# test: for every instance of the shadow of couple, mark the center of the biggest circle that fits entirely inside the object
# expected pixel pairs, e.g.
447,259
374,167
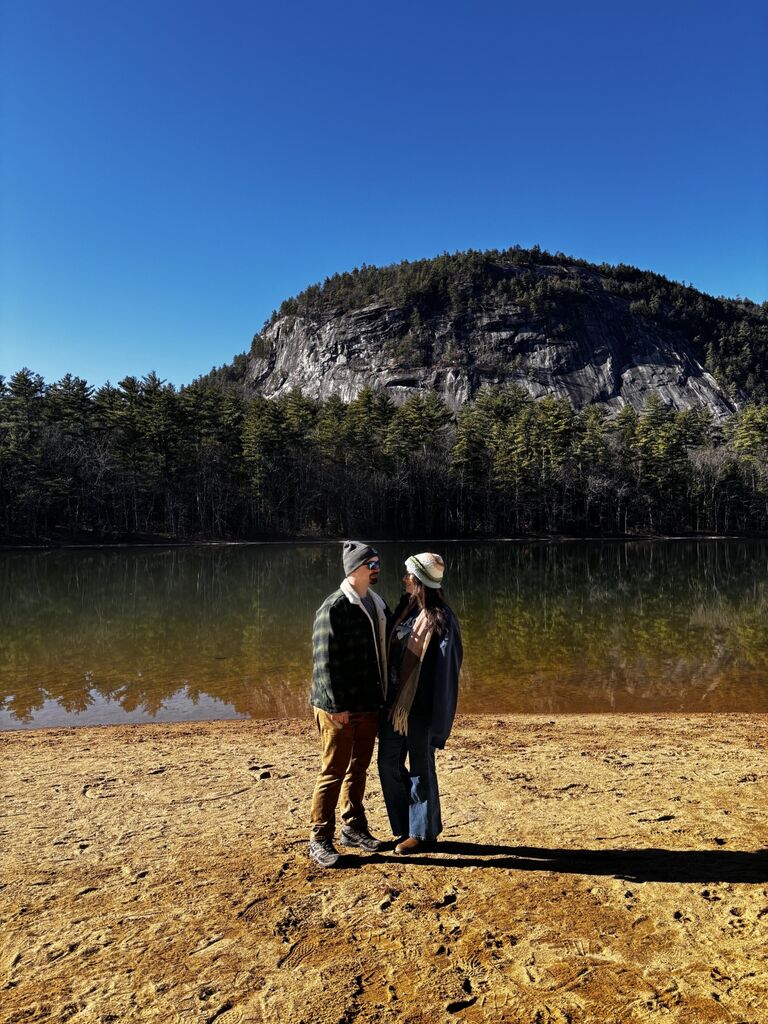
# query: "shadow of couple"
637,865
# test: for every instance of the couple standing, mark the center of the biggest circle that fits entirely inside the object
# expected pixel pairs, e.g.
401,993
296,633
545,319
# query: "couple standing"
395,675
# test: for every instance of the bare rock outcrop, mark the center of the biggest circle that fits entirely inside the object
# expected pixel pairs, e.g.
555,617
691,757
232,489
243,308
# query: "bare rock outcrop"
602,352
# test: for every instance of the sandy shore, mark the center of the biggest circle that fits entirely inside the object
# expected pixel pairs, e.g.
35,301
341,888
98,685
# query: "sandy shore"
593,868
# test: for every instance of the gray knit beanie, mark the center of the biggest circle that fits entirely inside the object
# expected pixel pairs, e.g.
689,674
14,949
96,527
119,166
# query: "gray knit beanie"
355,553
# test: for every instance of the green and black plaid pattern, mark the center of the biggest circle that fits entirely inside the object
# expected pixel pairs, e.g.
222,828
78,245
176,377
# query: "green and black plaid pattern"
345,668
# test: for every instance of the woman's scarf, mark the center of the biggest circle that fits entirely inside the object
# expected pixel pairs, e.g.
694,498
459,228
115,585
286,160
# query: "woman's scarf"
410,668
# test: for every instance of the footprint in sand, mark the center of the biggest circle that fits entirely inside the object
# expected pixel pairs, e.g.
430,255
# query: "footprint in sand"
252,911
289,922
226,1014
390,895
299,951
461,1004
722,981
472,964
101,789
663,1000
737,922
449,898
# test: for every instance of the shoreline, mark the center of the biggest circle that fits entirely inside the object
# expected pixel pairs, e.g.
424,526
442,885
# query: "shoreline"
470,718
593,868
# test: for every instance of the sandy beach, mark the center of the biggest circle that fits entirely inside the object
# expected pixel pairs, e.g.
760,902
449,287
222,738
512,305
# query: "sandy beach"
593,868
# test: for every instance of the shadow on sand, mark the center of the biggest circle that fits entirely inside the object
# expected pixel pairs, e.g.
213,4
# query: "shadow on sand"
646,865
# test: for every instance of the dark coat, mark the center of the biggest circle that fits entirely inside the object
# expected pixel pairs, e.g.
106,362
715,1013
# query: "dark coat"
438,690
445,668
346,671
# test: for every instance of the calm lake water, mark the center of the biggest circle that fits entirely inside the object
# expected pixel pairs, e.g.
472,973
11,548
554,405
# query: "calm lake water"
168,634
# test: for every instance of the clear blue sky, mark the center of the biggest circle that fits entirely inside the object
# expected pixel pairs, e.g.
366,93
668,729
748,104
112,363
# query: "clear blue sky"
172,171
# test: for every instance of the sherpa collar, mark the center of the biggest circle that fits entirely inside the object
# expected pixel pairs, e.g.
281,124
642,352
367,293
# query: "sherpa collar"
352,595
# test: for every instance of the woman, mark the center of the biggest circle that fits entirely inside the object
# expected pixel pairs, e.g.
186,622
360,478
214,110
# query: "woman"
425,656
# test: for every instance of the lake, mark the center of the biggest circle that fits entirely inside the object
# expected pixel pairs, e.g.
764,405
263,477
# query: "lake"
117,635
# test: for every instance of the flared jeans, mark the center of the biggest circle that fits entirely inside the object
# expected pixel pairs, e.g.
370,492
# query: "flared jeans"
411,795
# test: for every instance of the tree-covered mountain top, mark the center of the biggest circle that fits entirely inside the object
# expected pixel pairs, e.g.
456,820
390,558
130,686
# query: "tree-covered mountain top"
442,280
729,336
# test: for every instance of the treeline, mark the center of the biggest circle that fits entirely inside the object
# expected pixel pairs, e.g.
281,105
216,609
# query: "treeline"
728,336
205,462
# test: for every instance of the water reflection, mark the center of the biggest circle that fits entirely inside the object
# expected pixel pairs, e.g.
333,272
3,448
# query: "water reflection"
548,627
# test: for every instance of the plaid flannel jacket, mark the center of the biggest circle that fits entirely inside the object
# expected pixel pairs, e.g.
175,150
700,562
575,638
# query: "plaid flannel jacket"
345,668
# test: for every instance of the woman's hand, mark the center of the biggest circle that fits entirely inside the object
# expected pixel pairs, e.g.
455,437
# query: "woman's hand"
342,717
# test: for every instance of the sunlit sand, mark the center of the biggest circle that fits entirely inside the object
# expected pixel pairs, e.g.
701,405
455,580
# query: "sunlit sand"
593,868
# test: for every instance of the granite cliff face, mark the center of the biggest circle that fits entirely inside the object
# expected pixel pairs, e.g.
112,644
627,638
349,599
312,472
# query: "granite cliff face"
595,348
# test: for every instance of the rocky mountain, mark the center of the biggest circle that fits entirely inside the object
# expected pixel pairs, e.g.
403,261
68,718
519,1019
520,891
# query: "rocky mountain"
552,324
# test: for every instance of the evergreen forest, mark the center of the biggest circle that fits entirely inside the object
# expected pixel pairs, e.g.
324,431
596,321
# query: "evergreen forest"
146,461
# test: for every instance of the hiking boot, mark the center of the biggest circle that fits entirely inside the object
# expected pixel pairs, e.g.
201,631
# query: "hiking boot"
361,837
323,853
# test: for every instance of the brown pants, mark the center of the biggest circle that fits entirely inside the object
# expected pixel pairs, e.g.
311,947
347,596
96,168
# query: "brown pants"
346,753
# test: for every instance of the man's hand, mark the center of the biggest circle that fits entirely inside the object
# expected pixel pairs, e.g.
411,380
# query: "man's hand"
342,717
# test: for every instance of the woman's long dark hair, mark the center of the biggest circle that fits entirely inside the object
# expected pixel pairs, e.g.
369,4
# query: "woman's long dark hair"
433,602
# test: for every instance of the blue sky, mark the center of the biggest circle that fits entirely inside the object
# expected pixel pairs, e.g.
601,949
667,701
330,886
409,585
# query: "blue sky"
172,171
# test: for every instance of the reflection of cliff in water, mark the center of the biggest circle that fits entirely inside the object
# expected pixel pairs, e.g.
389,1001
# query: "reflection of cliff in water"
548,627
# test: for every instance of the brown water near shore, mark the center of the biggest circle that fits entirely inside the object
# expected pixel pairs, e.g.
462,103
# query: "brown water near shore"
594,868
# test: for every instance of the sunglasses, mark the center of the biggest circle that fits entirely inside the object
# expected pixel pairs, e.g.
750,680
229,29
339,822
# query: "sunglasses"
374,564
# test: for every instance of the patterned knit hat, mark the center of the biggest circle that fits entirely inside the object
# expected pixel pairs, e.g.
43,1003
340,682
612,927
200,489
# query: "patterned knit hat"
428,568
355,553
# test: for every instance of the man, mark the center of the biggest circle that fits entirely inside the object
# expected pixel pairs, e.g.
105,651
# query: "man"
349,679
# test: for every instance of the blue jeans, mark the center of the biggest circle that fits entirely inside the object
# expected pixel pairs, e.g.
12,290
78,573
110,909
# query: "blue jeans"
411,797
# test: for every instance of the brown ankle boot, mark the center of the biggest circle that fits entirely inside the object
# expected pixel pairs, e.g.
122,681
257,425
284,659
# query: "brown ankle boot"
409,845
